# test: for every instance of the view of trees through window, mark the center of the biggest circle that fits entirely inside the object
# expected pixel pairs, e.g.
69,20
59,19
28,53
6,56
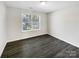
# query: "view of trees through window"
30,22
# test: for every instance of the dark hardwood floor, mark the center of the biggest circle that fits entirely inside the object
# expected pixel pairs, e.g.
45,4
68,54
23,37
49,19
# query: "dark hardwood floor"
44,46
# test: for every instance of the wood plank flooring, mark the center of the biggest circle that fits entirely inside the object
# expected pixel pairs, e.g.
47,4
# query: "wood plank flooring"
44,46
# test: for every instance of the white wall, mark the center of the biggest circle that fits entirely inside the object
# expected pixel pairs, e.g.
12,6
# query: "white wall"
64,24
3,29
14,24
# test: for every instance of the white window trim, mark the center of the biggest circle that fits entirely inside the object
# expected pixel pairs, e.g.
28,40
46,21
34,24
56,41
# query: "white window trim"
22,15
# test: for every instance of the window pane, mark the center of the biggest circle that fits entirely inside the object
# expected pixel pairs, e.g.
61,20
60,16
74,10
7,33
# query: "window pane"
27,22
35,22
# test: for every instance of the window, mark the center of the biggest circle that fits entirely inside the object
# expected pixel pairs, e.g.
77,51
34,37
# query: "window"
30,22
35,22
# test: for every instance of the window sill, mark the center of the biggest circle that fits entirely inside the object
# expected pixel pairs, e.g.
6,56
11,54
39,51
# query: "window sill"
30,30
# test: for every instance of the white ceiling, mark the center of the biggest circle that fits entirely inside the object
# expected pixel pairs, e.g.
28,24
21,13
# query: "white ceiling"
35,5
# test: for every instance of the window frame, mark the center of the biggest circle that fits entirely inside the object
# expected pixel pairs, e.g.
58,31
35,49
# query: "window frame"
23,15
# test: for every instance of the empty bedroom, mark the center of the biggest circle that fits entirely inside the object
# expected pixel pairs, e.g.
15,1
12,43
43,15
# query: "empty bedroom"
39,29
